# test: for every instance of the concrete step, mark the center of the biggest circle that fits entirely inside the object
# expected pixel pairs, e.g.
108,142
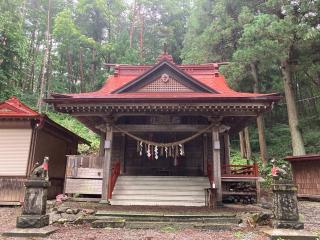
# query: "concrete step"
160,190
162,177
166,183
192,192
158,197
159,187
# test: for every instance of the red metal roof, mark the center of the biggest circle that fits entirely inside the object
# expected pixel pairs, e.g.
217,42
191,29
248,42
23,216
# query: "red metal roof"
14,108
206,74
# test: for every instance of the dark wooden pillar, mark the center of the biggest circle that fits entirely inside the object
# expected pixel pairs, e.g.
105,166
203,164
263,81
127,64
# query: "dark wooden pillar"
122,154
205,154
226,139
107,160
216,164
101,146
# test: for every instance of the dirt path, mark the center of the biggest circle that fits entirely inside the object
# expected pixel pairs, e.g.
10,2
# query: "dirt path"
309,210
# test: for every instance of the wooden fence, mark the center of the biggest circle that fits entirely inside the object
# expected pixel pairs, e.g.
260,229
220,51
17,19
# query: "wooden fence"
84,174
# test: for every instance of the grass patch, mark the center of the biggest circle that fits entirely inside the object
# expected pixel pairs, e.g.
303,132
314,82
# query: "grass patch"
168,229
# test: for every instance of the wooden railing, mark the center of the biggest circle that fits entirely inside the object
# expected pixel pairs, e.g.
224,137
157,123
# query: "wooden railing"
240,170
235,171
113,178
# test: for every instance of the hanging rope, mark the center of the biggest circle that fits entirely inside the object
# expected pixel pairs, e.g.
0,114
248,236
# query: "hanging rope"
165,144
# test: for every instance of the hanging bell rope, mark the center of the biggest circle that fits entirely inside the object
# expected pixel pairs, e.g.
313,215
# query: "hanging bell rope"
165,144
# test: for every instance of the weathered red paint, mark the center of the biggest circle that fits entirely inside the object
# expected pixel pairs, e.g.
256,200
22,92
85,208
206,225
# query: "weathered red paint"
14,108
205,74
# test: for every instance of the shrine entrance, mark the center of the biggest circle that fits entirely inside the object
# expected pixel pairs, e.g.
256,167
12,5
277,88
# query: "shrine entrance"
184,160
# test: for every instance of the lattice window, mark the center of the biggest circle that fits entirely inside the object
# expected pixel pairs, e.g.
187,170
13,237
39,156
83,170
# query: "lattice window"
165,84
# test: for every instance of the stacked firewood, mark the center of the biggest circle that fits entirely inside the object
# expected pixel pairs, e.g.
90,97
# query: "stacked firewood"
241,197
244,199
241,187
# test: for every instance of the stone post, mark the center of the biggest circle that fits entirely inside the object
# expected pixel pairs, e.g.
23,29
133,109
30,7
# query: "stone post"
285,205
35,203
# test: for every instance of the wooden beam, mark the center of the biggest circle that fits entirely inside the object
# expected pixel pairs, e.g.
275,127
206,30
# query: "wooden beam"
107,162
160,127
217,164
227,113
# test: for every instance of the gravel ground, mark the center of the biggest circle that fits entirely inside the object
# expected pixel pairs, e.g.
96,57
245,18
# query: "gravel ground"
309,210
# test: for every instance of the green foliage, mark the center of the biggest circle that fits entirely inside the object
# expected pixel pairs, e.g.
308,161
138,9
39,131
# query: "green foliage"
85,34
73,125
13,45
236,159
238,234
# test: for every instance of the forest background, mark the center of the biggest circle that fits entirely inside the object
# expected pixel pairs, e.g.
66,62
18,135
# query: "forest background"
271,46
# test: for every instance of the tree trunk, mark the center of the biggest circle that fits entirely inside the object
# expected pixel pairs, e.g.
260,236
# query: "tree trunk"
49,70
45,59
260,118
242,145
141,32
82,88
93,66
296,136
132,23
247,144
69,69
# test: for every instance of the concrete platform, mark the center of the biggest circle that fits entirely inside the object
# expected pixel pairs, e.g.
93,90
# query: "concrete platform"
289,234
30,232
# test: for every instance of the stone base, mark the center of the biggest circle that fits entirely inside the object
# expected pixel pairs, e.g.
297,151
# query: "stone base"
109,223
30,232
287,224
32,221
104,201
289,234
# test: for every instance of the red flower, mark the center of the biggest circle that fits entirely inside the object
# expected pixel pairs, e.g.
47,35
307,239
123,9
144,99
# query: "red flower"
274,171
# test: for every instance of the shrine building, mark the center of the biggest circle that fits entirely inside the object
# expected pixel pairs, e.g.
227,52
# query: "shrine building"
164,131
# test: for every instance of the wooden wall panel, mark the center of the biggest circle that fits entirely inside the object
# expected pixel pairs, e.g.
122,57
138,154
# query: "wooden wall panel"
307,177
12,189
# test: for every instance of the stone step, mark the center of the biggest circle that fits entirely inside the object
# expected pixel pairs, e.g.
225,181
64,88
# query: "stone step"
178,225
109,222
181,219
104,213
146,202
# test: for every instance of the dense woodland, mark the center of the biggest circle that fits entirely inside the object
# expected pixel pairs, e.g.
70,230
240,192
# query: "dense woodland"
270,46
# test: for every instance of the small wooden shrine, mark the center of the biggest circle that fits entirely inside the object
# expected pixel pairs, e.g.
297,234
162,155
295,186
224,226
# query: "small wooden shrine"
163,120
26,137
306,175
